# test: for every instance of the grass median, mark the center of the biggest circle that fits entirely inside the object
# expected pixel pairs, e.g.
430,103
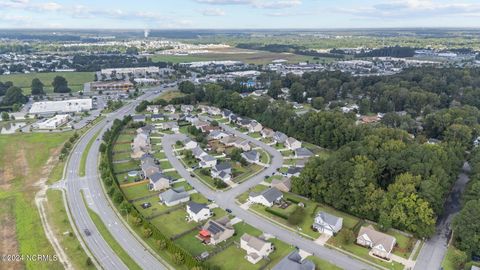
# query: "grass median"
107,236
83,161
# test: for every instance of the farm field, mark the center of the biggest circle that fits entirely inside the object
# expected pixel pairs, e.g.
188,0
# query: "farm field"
246,56
75,80
25,159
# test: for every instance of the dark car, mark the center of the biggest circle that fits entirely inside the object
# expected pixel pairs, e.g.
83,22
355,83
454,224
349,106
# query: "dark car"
87,232
228,210
146,205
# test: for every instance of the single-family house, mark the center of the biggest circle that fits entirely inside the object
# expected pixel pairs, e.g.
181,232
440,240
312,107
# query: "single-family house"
327,223
140,145
173,126
254,126
139,118
190,118
267,197
303,153
284,184
216,231
381,244
267,133
232,118
217,135
159,181
157,117
174,196
189,144
222,171
294,262
154,108
199,124
214,111
174,116
226,113
251,156
294,171
198,152
170,108
148,166
186,108
255,247
292,143
198,212
279,137
244,122
207,161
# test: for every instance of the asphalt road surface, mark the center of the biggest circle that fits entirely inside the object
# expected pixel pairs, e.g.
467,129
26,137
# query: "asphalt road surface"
434,249
227,200
96,198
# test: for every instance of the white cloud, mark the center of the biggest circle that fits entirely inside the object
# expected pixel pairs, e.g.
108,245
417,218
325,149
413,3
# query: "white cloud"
269,4
213,12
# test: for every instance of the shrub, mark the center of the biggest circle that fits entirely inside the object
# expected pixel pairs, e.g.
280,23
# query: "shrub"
161,244
178,258
297,216
275,213
147,232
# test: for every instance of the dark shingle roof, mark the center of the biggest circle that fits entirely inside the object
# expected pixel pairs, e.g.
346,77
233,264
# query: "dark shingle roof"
196,207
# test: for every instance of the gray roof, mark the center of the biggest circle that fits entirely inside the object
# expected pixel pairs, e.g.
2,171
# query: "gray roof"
208,158
157,116
294,262
158,176
294,170
271,194
328,218
197,151
173,195
196,207
279,136
251,155
303,152
138,117
223,166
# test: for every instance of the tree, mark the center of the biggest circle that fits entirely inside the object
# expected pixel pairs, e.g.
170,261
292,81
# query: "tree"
14,95
161,244
459,258
178,258
147,232
318,103
346,236
60,85
37,87
88,262
186,87
5,116
297,216
466,228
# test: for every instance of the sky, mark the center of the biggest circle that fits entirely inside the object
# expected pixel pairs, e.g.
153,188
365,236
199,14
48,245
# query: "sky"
238,14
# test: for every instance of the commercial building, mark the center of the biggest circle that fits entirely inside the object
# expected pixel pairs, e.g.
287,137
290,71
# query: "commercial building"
54,122
62,106
135,70
111,86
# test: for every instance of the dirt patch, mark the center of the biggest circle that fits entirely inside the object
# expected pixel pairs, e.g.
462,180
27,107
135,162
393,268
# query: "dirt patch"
9,244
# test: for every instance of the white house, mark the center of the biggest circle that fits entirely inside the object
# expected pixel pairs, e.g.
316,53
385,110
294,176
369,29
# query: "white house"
54,122
254,126
189,143
207,161
158,181
222,171
198,212
326,223
267,197
255,247
380,243
292,143
174,196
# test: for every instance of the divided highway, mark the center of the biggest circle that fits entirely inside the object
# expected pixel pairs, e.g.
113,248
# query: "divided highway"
90,185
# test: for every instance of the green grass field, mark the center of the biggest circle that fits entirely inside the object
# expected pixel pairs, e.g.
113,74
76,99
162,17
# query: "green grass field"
246,56
25,159
58,220
75,80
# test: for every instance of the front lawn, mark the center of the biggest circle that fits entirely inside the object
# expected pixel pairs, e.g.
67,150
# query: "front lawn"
244,196
173,223
165,165
138,191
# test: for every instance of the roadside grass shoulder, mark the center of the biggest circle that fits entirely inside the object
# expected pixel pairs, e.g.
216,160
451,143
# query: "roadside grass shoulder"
122,254
63,231
322,264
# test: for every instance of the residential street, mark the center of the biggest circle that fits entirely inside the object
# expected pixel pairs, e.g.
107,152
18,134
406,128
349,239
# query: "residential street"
434,250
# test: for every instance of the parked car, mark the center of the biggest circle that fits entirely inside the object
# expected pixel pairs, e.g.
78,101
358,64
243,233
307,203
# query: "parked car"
228,210
146,205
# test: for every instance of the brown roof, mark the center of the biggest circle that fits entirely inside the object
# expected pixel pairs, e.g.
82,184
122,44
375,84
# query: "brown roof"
254,242
378,238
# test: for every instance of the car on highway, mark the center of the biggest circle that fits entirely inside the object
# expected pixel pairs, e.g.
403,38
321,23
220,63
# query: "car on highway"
87,232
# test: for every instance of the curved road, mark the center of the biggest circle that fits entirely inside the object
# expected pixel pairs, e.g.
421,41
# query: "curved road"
97,200
227,200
